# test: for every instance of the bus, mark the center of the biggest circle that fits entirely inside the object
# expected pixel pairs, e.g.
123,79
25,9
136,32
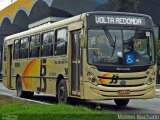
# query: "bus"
92,56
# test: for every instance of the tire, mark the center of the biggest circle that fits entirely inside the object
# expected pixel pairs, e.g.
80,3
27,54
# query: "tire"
20,92
62,92
121,102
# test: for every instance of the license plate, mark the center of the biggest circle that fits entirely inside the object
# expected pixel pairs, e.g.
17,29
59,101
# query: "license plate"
123,92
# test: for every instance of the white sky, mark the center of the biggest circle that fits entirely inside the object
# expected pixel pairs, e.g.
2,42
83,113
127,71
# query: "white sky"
5,3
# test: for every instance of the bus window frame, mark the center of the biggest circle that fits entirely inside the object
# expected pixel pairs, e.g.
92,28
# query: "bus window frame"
17,49
122,28
39,46
24,48
66,43
52,44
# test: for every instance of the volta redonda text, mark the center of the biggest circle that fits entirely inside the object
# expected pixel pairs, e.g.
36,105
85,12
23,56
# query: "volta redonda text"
118,20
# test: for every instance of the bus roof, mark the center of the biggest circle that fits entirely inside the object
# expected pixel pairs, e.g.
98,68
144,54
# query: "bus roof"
119,13
10,39
43,28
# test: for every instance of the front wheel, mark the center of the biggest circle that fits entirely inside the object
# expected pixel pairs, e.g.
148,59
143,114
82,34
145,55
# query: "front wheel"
62,92
121,102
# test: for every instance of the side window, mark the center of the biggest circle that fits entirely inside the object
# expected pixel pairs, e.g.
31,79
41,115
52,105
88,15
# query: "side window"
24,48
35,46
47,44
61,42
16,49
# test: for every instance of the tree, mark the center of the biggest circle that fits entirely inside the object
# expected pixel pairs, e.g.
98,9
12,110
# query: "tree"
123,5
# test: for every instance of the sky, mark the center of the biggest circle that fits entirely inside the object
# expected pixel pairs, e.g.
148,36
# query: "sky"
5,3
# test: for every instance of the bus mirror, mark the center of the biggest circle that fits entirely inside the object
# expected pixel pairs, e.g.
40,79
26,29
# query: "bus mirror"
83,42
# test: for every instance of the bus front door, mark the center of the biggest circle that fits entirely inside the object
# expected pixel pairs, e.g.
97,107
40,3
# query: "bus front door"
75,63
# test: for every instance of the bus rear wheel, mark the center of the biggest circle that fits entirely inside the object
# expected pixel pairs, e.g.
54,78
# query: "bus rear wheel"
62,92
121,102
20,92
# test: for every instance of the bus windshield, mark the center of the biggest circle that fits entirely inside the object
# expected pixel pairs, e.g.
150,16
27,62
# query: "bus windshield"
120,47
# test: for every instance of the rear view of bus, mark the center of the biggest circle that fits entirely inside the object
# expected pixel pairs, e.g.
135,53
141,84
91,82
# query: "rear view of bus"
120,53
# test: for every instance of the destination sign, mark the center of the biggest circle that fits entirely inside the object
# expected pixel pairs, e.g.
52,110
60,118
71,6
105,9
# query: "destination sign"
120,20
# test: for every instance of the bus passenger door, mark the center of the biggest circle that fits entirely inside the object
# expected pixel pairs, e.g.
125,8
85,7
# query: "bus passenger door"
8,65
75,63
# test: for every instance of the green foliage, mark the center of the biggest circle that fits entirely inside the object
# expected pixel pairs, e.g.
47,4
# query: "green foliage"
30,111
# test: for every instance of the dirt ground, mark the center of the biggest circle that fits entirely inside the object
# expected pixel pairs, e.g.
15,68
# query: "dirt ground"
6,99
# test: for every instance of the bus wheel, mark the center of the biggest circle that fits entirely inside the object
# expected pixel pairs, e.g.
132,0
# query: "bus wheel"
121,102
62,92
20,93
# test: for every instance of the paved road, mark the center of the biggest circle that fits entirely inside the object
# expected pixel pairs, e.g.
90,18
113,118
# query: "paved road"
151,106
5,91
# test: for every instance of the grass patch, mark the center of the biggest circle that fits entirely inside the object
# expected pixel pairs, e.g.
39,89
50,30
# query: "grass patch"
19,110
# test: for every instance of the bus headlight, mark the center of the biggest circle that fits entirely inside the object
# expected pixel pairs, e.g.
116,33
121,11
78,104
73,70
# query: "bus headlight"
92,79
151,79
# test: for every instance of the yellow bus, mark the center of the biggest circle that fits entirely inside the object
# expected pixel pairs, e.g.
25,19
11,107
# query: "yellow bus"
92,56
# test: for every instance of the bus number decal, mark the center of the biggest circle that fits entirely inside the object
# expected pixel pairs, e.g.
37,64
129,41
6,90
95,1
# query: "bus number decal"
114,79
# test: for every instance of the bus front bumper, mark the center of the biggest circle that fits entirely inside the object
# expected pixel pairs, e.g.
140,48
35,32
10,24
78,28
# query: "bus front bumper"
99,92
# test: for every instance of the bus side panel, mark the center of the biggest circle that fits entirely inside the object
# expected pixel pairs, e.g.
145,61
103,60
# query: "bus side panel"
7,67
13,82
50,77
32,71
50,86
54,68
28,71
4,74
7,56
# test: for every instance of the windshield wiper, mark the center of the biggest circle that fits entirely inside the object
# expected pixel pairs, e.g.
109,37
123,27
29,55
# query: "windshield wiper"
114,46
111,41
